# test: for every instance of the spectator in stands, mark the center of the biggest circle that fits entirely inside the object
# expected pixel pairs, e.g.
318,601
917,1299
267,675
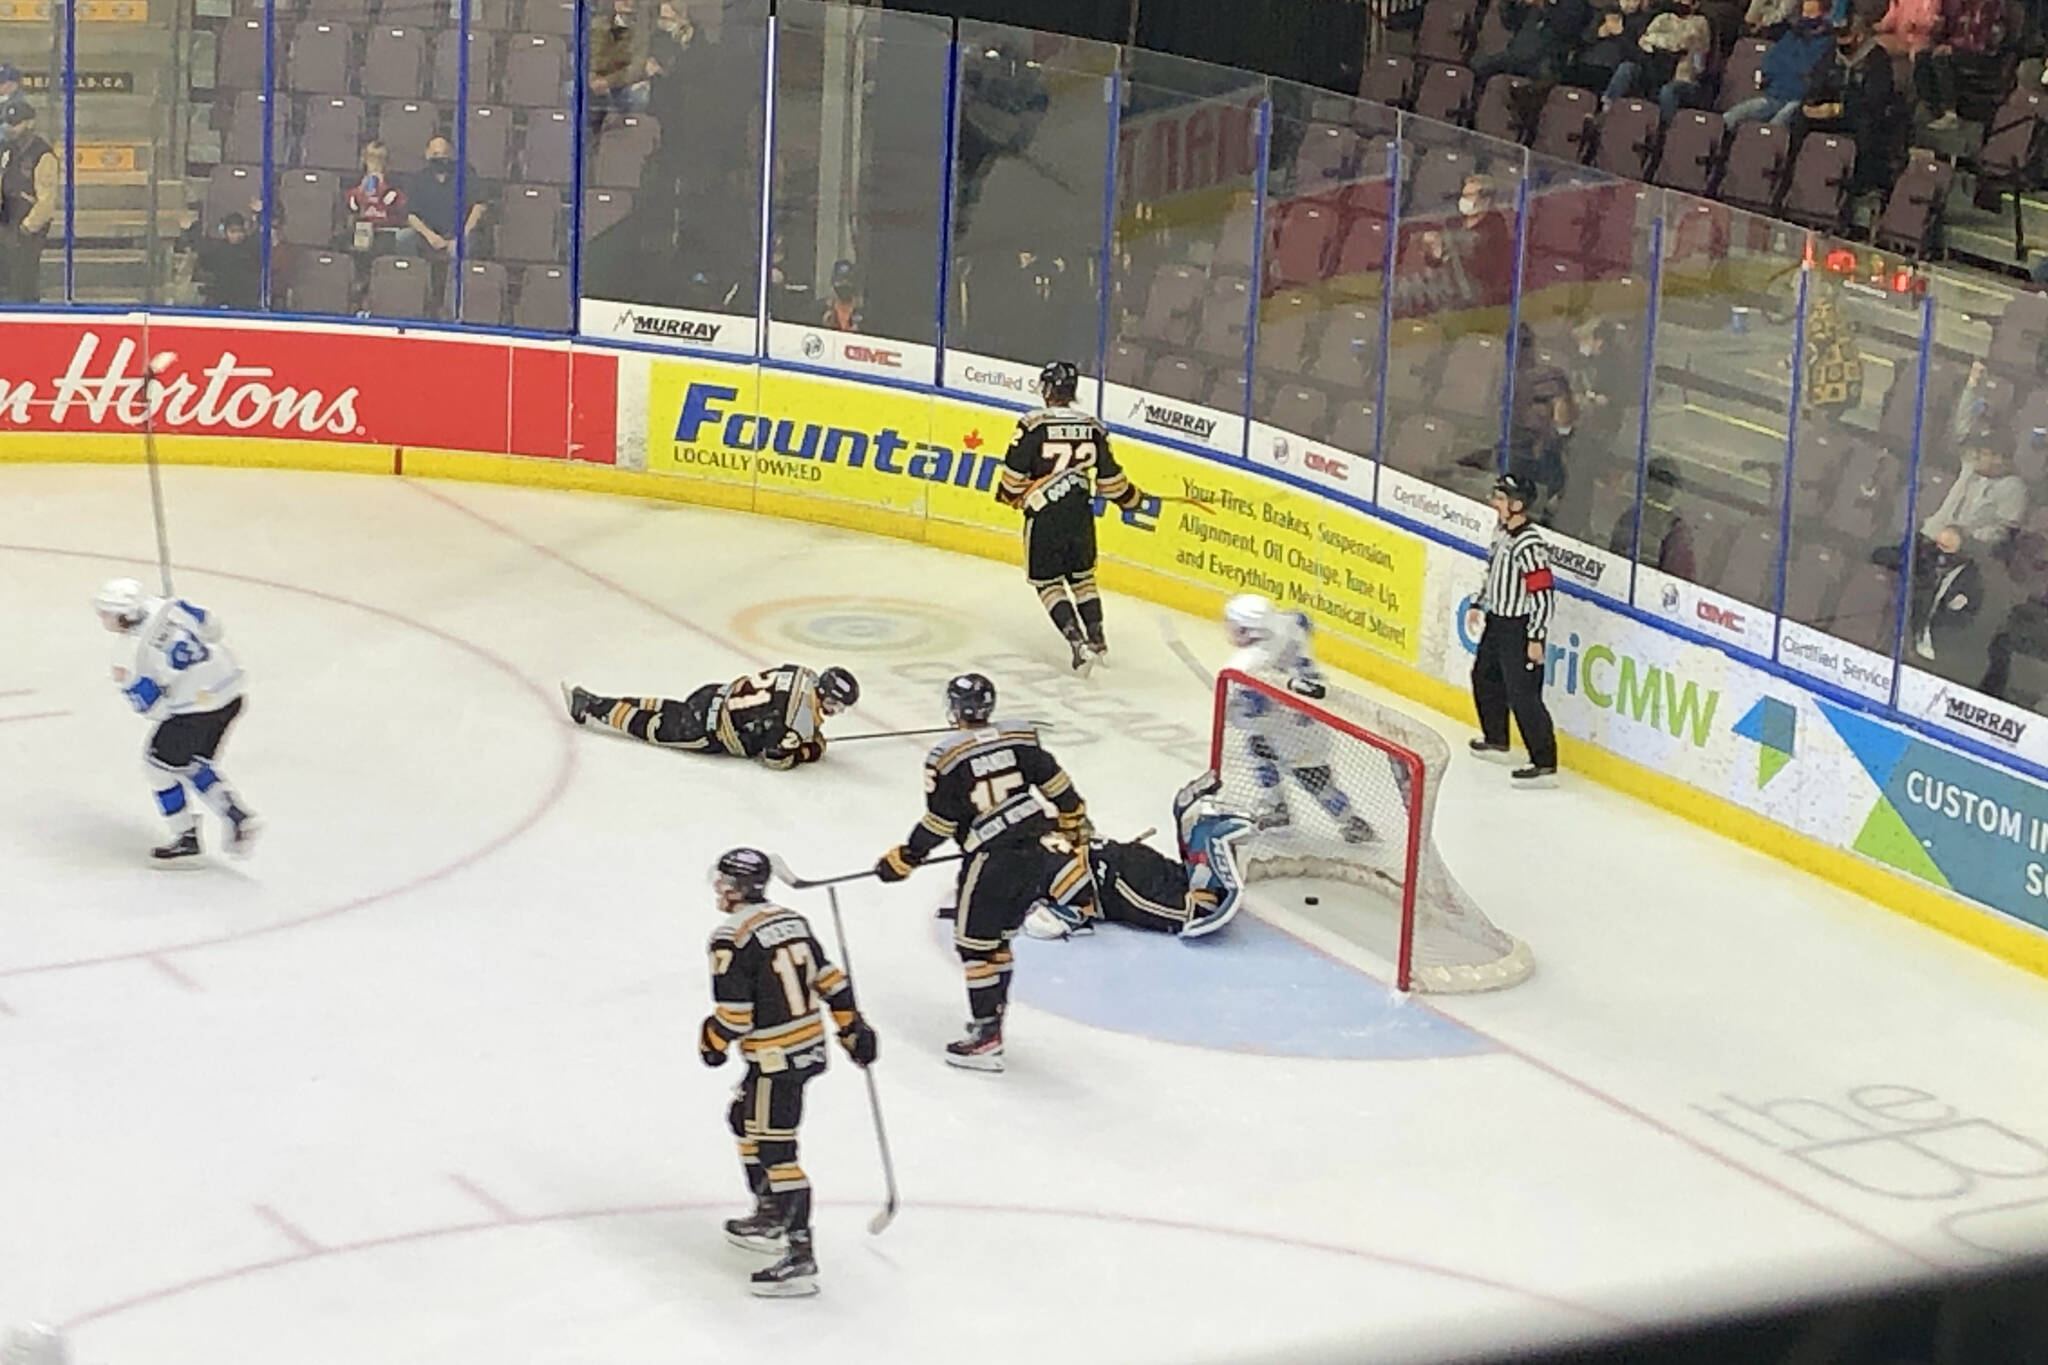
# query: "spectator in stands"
1674,60
1908,27
1606,58
1606,380
1947,590
620,65
843,309
31,192
375,201
1666,542
228,267
430,207
1971,406
1541,38
1985,503
10,82
1853,95
1788,69
1462,266
1967,40
1769,18
1542,421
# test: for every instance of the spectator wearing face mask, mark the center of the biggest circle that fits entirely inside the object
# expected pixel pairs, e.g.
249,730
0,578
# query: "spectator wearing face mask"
31,192
1853,95
1464,264
843,310
430,207
1664,540
1674,57
1947,590
228,267
1788,69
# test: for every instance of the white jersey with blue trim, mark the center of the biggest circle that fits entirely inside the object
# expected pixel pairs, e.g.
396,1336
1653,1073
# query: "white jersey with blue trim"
1283,658
179,664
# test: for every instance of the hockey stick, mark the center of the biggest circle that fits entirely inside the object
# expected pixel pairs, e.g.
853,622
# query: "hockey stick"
888,1214
1169,633
788,878
1034,723
1192,502
157,364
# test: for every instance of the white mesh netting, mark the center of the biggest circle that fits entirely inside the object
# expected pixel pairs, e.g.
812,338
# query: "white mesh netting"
1333,805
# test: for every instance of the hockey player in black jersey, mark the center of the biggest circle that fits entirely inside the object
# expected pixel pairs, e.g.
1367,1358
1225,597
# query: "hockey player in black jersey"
775,717
768,975
982,790
1135,884
1057,465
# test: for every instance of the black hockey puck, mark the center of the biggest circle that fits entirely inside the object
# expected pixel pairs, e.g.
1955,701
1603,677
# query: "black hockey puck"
1310,900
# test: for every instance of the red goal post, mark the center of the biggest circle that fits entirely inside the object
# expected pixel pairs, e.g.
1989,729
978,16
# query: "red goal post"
1341,788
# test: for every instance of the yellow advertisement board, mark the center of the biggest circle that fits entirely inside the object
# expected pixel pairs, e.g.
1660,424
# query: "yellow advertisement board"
925,467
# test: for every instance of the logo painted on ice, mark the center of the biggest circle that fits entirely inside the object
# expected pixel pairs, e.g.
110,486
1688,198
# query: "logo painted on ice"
223,393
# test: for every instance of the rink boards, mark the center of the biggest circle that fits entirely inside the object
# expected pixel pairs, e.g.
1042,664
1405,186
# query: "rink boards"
1384,565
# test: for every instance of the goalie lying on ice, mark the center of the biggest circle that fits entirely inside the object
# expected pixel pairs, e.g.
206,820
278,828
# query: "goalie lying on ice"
1133,883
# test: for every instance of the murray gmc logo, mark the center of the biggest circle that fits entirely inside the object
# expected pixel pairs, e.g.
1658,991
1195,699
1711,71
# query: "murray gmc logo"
674,329
1719,616
1985,721
872,355
1326,464
1578,564
1173,419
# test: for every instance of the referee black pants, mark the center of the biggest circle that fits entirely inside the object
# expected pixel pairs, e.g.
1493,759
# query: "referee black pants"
1504,680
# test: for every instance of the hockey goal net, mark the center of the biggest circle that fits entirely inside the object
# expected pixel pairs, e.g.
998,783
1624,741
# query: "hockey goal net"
1342,789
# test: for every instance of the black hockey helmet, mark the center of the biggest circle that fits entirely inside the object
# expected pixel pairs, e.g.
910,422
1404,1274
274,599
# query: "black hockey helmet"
1059,381
1516,488
970,699
741,877
838,688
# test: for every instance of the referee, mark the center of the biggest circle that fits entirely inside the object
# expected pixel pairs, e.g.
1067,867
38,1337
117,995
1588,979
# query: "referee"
1511,617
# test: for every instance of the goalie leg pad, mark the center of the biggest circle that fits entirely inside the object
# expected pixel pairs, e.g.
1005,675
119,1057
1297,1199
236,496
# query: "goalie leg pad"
1214,878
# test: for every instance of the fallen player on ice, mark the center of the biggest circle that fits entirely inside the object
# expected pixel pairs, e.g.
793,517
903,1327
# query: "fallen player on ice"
775,717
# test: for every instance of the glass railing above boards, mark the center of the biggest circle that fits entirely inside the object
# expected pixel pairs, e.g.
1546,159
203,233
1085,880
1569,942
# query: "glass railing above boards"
671,199
1581,364
1974,652
1321,327
1192,149
855,214
1446,364
1033,136
1865,332
1710,555
38,264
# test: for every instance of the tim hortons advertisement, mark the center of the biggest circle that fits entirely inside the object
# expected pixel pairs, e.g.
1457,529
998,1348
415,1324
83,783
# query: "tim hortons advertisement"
348,385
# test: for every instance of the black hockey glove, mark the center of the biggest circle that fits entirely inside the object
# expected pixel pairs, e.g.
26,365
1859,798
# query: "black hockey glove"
860,1042
1307,687
894,865
710,1043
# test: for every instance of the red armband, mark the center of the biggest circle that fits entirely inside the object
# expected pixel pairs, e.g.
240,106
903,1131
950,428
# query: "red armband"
1537,580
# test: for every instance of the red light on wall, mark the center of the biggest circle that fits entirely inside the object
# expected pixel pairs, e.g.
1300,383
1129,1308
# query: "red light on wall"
1902,282
1841,261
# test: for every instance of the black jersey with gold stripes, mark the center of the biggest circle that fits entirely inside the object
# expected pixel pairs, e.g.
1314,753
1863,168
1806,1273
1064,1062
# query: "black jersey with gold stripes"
983,786
770,713
768,975
1057,464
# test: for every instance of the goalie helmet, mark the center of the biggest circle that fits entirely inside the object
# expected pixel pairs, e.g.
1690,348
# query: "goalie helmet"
970,699
741,877
1248,618
122,600
838,689
1059,381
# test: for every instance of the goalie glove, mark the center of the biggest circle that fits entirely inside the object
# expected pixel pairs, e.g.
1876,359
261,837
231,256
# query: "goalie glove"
710,1042
859,1041
1076,825
895,865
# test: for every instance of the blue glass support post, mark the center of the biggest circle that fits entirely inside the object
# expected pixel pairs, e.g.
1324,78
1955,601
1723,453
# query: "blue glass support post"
1648,391
1791,446
267,217
462,159
70,181
579,110
1906,541
1114,93
767,261
1251,311
1511,353
952,124
1379,401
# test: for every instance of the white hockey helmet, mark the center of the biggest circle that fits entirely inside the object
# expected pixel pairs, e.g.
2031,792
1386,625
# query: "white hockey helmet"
120,601
1248,619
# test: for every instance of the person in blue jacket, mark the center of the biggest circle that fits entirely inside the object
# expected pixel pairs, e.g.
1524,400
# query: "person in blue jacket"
1788,68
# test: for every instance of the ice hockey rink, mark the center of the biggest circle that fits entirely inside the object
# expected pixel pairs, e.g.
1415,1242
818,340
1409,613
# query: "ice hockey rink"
418,1081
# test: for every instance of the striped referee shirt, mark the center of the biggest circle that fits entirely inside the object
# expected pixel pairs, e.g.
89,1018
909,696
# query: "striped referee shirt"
1518,578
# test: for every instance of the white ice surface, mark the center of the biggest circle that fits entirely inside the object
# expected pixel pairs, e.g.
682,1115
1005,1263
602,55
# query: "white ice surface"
418,1083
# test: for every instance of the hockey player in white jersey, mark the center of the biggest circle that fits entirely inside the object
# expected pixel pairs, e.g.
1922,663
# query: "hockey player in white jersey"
173,669
1285,747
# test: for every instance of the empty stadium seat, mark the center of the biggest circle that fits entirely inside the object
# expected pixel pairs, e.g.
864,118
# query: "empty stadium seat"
448,76
398,287
1179,376
244,139
1363,250
544,304
322,55
1749,572
1817,194
1445,94
1740,71
1448,30
333,138
1757,159
1303,244
1503,108
547,156
489,145
1473,372
1284,323
1171,301
1353,427
1227,391
1300,408
1564,128
1349,355
1421,445
394,63
406,127
530,228
1913,210
1626,139
1388,80
1326,155
309,202
1127,363
603,208
1225,313
556,17
623,144
1692,153
2019,335
1414,350
535,64
1813,578
238,56
483,294
321,282
1868,612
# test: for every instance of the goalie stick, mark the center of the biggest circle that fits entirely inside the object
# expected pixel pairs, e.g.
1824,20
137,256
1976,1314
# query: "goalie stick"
789,878
887,1215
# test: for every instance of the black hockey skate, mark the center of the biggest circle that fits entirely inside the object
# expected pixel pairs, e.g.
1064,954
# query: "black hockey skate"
792,1277
242,831
179,852
1098,644
981,1049
761,1230
578,701
1084,657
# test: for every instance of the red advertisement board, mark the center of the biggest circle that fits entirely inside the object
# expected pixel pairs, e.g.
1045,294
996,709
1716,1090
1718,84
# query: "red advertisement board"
354,385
